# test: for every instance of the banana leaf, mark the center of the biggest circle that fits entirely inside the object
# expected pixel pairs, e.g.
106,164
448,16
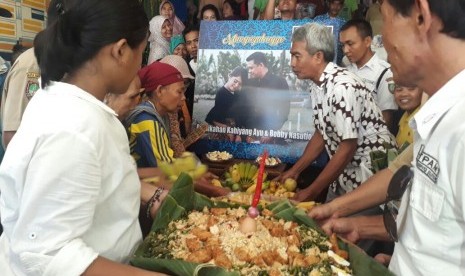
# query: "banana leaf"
201,201
183,199
179,199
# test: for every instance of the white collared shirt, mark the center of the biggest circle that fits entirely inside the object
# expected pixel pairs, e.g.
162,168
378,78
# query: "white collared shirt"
193,64
370,73
431,220
69,188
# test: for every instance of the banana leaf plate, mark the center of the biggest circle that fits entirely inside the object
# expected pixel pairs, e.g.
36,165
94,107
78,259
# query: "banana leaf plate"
182,199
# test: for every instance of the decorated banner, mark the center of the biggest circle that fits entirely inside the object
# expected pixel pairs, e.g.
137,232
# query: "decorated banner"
247,93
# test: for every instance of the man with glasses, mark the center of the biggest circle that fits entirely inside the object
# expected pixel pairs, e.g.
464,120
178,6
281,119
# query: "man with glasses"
431,220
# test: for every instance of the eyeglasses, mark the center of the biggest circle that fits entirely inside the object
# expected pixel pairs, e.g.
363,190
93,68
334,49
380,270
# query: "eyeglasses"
400,181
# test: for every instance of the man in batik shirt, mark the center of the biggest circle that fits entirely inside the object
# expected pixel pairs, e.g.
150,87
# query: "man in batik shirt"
348,123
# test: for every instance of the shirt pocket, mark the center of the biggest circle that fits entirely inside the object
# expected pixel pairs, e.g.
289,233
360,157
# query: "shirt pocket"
427,198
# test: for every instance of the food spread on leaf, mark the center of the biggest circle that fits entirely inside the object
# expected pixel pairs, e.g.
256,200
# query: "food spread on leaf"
274,247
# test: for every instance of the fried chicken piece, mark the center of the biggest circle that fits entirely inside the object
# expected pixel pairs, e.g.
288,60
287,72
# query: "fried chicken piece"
212,221
268,224
296,233
213,242
293,240
298,260
216,250
203,235
242,255
278,231
278,258
223,261
258,261
291,256
193,244
342,253
275,272
333,241
309,260
335,247
201,256
268,257
218,211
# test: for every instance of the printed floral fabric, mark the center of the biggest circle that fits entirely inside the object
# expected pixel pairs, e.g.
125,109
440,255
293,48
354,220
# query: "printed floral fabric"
343,109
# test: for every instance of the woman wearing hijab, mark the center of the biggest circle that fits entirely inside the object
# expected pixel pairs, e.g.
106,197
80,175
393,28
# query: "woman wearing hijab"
161,32
178,47
167,10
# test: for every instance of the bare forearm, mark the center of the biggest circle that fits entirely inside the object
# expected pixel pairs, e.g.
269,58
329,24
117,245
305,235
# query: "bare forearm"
335,166
372,227
268,13
150,172
210,190
371,193
146,192
313,149
103,266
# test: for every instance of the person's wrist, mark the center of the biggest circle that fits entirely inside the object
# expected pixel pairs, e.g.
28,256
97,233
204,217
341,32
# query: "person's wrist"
298,170
334,208
309,193
156,198
157,203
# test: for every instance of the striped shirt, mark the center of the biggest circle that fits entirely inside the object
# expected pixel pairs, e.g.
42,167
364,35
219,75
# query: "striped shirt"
149,137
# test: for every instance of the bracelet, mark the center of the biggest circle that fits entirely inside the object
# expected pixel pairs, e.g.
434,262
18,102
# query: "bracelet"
155,197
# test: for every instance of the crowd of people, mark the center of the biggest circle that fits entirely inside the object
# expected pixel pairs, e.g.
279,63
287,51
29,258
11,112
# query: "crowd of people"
95,119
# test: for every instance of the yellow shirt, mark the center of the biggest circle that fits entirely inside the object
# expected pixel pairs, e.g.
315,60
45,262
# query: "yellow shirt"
405,133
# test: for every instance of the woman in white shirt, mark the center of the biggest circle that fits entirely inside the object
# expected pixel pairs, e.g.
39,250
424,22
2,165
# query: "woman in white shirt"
70,193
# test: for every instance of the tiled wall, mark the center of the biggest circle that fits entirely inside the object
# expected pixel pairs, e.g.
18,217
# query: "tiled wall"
28,19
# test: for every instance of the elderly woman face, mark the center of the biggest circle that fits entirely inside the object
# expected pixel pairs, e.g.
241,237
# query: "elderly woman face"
167,29
181,51
171,96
